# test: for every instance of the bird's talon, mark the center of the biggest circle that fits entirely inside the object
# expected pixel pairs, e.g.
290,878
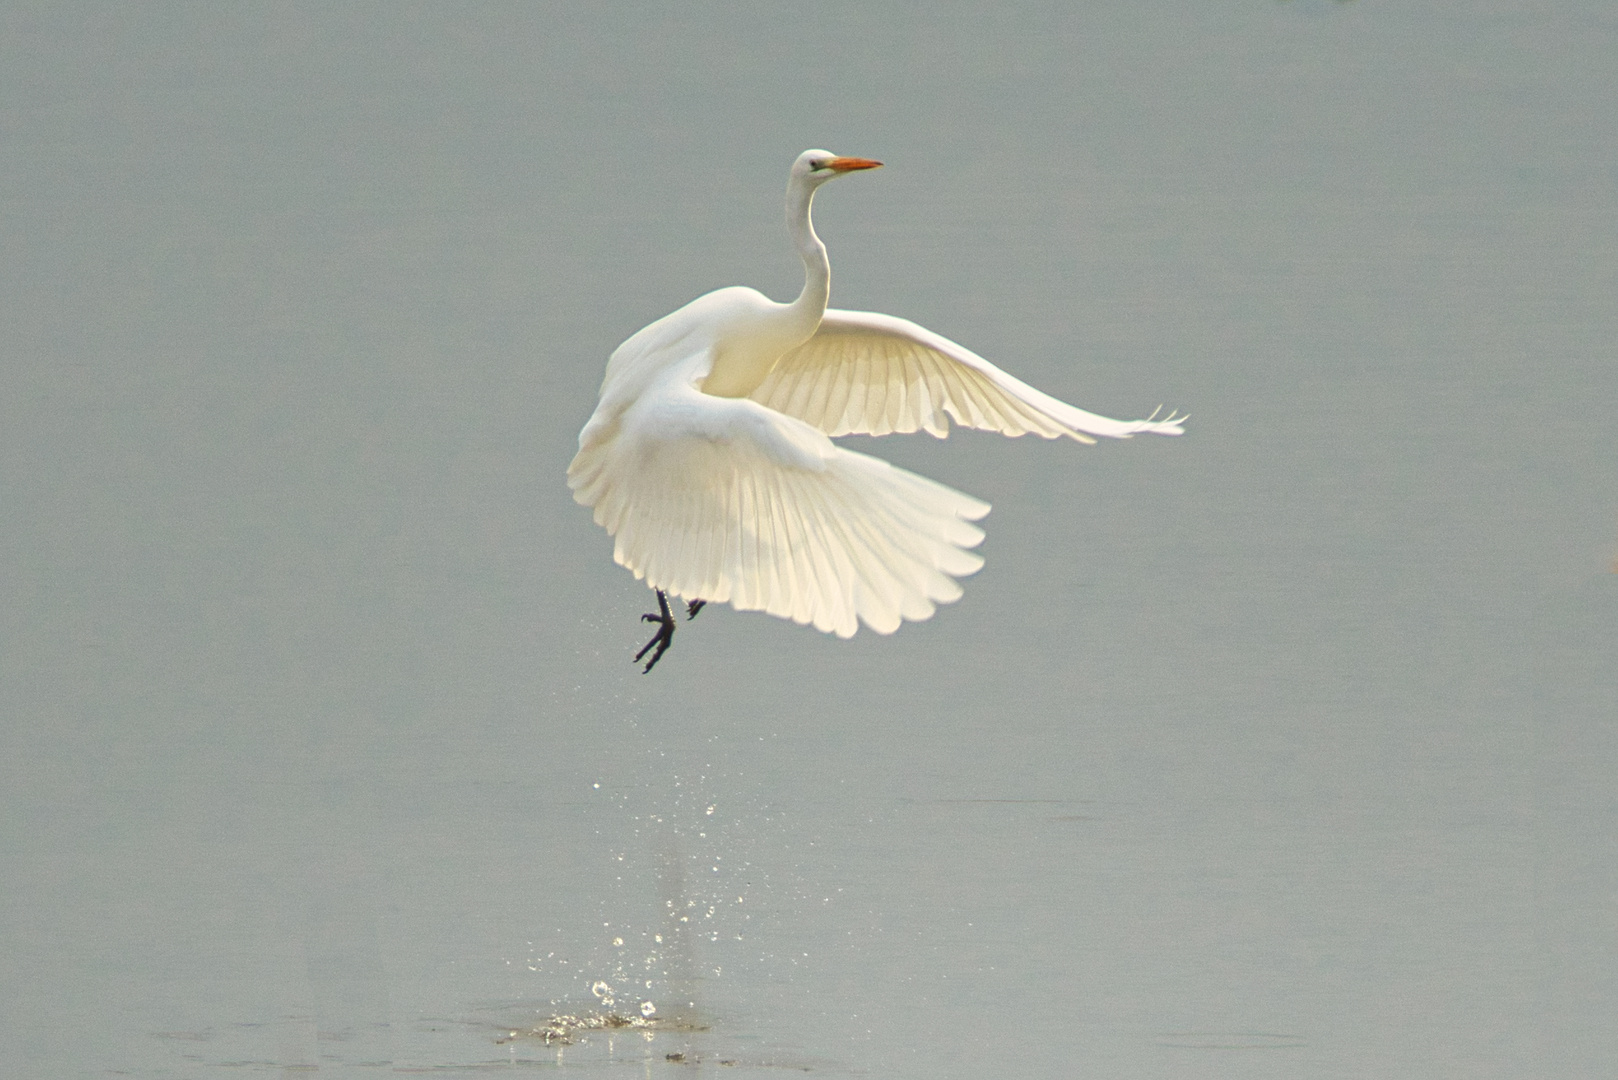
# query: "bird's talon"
664,636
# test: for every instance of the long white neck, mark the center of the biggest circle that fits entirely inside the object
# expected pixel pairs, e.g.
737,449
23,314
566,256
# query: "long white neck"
810,306
743,360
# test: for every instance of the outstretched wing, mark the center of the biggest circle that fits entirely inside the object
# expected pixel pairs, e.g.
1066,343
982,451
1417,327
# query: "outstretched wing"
724,500
869,374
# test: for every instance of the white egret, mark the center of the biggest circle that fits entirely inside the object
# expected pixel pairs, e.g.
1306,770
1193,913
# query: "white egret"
709,457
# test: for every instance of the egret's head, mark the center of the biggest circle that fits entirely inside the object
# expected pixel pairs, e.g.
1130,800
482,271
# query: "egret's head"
815,167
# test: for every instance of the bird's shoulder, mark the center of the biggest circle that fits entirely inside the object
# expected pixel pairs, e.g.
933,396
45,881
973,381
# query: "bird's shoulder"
684,332
712,316
699,319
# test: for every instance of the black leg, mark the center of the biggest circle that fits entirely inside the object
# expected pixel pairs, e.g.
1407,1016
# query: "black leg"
664,636
692,607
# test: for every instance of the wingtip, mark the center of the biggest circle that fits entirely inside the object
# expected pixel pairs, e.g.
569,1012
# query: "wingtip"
1172,425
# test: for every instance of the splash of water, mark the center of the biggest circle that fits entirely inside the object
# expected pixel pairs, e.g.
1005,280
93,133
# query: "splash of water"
568,1028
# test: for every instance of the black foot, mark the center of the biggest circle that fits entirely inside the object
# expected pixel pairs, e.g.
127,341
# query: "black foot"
692,607
664,636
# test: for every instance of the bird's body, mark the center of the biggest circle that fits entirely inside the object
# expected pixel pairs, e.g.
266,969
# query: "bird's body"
709,457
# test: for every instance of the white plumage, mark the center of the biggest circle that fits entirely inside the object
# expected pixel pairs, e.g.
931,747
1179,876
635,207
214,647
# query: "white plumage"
710,462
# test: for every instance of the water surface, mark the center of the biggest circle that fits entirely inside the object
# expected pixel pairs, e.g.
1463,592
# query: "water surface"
1282,749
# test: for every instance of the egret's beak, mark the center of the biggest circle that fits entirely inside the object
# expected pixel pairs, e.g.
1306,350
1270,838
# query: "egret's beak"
850,164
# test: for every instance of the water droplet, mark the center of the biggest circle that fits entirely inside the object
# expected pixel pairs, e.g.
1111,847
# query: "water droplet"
647,1008
617,941
603,991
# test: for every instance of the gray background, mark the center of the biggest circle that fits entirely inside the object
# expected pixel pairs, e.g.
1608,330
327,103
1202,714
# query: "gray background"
1284,749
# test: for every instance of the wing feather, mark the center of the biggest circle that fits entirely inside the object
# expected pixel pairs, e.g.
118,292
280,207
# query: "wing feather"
871,374
934,421
723,499
746,543
822,395
889,403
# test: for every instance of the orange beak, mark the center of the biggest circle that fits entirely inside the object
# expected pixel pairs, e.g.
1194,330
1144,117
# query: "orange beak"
850,164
